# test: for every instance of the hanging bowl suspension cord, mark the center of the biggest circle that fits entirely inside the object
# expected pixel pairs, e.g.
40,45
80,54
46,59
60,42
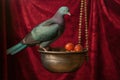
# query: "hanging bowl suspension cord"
83,5
80,22
86,24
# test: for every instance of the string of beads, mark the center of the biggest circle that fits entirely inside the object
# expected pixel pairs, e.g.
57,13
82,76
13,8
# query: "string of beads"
83,9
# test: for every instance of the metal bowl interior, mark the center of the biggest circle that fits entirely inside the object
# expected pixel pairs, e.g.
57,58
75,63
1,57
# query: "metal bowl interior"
59,60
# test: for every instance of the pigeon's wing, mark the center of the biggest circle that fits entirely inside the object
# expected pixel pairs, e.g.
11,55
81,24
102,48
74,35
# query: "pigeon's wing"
28,40
47,23
45,33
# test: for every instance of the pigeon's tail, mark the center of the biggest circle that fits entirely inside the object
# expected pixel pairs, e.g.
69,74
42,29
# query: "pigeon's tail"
15,49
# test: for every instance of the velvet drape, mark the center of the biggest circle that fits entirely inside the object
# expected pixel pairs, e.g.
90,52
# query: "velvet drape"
18,17
3,57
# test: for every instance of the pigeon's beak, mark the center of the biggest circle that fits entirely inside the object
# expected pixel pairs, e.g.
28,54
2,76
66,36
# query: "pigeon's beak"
69,14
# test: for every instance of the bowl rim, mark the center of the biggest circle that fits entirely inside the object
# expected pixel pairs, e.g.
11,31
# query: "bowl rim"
62,52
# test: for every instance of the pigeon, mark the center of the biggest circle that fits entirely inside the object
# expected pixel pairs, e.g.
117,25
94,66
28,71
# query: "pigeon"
44,33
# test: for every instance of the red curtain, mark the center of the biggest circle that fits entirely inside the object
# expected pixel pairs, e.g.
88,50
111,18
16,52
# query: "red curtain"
18,17
3,47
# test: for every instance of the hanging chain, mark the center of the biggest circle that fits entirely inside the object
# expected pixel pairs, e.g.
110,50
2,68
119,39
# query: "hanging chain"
80,22
86,24
83,5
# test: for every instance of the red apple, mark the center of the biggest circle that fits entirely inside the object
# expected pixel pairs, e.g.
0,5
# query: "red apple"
78,48
69,46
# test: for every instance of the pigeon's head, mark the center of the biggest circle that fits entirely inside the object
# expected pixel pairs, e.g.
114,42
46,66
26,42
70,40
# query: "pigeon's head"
64,10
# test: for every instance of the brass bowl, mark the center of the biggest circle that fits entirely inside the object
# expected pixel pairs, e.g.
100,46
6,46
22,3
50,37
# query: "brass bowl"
59,60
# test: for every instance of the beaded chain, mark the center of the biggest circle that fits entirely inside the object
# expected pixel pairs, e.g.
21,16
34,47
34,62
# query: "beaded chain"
83,7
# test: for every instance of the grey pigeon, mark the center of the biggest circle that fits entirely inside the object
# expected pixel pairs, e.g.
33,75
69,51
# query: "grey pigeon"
43,34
